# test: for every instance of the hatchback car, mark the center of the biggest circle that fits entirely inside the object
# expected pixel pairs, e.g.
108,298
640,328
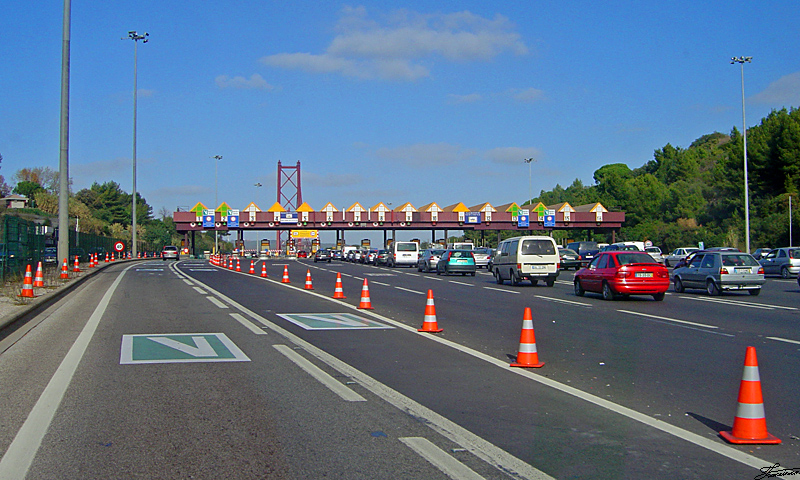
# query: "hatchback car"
623,273
718,271
655,252
428,260
456,261
322,255
782,261
482,256
678,254
382,258
170,251
569,259
50,255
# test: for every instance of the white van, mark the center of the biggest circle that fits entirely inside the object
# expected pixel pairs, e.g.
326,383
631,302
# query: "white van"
461,246
531,258
403,253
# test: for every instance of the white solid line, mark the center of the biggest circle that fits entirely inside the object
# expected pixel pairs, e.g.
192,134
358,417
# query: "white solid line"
440,459
334,385
571,302
20,454
461,283
784,340
501,290
247,323
412,291
200,290
216,302
666,319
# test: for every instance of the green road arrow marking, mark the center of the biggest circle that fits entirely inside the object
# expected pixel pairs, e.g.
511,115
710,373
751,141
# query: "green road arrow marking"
332,321
179,348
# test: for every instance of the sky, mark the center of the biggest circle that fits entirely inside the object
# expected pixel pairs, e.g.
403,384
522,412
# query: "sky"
432,102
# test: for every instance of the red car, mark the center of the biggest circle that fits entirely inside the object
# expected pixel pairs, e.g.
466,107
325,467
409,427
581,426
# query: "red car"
623,273
302,254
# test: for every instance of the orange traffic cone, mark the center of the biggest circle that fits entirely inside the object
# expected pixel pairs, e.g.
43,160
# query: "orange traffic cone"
750,424
27,284
64,270
230,263
365,304
308,285
38,281
337,291
252,267
429,321
527,355
264,270
285,278
106,257
238,266
76,268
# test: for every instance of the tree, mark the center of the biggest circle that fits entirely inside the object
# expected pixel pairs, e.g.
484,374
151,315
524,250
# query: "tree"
43,176
27,188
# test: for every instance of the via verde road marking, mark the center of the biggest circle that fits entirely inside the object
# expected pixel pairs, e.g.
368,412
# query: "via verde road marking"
179,348
331,321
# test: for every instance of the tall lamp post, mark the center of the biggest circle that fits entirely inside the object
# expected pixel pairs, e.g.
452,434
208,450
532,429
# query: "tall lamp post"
258,185
530,181
216,158
135,37
741,61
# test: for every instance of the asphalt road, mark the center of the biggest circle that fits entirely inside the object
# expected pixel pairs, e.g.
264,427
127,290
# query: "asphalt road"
630,389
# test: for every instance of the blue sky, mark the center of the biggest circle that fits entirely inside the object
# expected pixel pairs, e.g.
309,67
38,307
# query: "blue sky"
438,101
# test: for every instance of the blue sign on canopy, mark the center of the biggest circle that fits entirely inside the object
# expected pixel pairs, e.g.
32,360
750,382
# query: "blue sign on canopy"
288,217
473,218
550,221
233,221
523,221
208,221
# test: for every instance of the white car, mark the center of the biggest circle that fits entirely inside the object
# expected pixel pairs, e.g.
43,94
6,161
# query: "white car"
678,254
655,252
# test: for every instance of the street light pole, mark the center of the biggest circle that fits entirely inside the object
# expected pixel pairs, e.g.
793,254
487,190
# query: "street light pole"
135,37
216,158
530,181
741,61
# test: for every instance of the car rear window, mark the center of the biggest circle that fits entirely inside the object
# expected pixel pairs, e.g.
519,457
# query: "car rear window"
628,258
538,247
461,254
406,247
743,260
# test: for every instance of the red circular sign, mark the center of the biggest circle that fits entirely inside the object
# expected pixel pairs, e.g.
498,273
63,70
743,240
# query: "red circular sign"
119,246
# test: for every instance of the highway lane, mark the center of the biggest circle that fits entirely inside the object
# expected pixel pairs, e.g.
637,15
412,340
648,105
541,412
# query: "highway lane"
647,363
82,406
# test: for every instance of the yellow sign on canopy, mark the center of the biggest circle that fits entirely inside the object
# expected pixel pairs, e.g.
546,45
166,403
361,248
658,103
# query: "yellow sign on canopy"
305,233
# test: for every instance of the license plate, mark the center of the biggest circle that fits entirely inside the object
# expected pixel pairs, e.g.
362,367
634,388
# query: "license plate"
644,275
538,267
462,261
741,270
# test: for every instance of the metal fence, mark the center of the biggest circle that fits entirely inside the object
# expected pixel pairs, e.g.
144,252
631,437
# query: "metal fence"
24,243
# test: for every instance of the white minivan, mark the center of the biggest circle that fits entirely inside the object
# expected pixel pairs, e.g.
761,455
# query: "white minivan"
403,253
531,258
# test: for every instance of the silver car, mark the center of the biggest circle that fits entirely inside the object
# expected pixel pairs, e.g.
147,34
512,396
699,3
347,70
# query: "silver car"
655,252
782,261
720,271
677,255
429,259
170,251
482,256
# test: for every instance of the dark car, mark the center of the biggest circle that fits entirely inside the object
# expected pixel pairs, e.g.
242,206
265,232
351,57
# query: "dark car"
323,255
50,256
77,252
586,250
382,258
622,272
569,259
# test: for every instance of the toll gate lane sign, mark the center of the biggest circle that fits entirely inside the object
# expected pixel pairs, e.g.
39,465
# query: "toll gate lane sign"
179,348
332,321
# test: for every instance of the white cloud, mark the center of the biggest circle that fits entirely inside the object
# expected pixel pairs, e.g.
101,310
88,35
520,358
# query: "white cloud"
454,99
528,95
426,155
512,155
393,47
783,91
255,81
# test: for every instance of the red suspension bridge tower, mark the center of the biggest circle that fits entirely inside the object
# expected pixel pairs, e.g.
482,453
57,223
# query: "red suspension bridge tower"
289,182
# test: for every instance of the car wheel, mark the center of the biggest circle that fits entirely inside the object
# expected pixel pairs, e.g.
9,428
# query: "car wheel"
755,292
666,263
499,280
472,273
659,296
419,267
514,280
550,282
438,272
579,291
712,288
608,294
534,282
678,285
784,272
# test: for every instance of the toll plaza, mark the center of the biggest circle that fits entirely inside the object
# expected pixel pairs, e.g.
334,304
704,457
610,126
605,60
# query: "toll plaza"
484,217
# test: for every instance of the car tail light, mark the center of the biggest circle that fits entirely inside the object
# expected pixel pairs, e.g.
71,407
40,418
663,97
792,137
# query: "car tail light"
519,266
723,271
663,274
761,270
623,273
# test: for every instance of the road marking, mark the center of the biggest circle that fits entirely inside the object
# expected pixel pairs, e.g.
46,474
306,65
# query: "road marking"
188,282
331,321
202,269
250,325
784,340
19,456
461,283
216,302
560,300
440,459
333,385
667,319
381,283
739,303
501,290
149,269
200,290
412,291
179,348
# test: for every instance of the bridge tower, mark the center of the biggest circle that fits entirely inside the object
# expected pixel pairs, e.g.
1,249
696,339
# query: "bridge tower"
290,195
